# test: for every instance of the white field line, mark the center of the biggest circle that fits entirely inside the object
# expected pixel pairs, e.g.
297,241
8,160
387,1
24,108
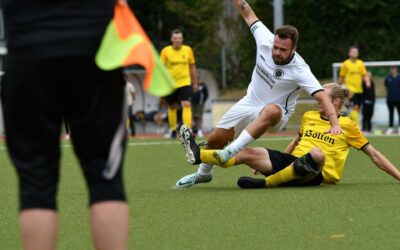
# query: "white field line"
155,143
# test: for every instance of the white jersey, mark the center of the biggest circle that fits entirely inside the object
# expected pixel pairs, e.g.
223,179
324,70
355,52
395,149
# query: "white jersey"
280,84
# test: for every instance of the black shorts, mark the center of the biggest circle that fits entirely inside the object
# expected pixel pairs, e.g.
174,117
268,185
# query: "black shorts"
356,99
37,95
281,160
184,93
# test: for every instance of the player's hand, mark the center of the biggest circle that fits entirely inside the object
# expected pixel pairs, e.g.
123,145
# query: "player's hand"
195,88
335,130
256,172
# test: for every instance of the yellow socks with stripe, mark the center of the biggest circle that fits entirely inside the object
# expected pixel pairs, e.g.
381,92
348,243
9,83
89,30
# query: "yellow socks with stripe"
354,115
187,116
281,177
229,163
172,118
211,156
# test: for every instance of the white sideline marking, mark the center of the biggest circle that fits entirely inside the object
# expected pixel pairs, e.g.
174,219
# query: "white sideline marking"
134,144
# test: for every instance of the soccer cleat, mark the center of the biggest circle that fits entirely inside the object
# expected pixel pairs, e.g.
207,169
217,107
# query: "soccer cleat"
249,182
193,179
192,150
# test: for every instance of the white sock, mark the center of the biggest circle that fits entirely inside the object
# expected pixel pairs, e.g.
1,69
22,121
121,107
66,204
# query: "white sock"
238,144
205,169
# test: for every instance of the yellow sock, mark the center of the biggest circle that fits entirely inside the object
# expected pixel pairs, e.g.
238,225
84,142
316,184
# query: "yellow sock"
229,163
172,118
187,116
354,116
283,176
211,157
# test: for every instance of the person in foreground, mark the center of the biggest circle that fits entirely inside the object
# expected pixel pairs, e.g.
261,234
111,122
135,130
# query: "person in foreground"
51,69
312,158
278,77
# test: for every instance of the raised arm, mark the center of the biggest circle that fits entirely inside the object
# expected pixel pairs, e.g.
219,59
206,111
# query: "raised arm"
245,11
380,161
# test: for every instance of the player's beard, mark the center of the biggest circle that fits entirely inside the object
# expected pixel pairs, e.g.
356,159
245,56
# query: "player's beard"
278,60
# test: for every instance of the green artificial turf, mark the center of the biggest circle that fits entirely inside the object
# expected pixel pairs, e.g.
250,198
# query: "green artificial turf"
361,212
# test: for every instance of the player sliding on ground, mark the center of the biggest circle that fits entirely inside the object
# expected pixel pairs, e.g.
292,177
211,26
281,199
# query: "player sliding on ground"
312,158
278,76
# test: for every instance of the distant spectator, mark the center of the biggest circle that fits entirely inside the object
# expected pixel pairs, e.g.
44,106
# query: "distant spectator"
352,73
392,83
198,100
368,102
130,97
158,116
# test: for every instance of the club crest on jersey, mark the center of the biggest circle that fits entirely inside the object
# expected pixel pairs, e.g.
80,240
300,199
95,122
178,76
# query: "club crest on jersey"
278,73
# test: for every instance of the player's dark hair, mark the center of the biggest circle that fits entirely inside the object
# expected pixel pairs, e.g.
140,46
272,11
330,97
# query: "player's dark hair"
176,31
288,31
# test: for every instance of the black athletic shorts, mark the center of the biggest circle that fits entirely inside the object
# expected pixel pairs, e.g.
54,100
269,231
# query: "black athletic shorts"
356,99
37,95
281,160
184,93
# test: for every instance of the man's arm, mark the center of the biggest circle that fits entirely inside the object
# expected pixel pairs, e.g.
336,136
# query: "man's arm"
193,77
245,11
367,81
380,161
324,100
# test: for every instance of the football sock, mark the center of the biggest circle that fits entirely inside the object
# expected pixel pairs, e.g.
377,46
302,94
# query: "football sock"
172,118
238,144
354,116
211,156
281,177
229,163
187,116
205,169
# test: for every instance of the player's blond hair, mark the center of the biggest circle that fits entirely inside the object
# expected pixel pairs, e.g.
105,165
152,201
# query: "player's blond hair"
336,91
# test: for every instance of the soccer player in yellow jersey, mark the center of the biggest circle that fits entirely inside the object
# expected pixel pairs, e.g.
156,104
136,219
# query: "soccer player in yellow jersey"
352,73
180,62
312,158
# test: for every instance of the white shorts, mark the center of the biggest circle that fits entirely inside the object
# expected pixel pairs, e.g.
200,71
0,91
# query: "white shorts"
243,113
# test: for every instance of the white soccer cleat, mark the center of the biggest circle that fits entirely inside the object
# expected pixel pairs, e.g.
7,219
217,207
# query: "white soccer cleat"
193,179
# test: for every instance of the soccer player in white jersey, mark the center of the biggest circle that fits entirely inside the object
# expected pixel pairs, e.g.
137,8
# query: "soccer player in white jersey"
277,78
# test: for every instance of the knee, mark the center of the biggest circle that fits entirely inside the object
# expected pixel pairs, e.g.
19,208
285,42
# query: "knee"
185,104
271,114
318,156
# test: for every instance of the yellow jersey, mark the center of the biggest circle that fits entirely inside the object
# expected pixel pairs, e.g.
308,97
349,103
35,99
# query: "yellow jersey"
178,63
353,73
335,147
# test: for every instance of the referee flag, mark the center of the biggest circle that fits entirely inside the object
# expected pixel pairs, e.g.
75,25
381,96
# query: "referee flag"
125,43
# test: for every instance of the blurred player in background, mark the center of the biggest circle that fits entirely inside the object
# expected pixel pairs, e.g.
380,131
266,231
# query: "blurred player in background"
352,73
180,62
199,99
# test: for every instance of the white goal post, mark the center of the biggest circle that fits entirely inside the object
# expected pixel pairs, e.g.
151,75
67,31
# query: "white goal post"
336,66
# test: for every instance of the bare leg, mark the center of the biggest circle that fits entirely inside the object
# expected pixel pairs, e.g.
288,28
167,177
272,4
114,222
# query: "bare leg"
256,158
38,229
269,116
109,224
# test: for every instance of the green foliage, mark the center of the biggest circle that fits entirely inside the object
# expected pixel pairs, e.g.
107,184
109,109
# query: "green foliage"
327,29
